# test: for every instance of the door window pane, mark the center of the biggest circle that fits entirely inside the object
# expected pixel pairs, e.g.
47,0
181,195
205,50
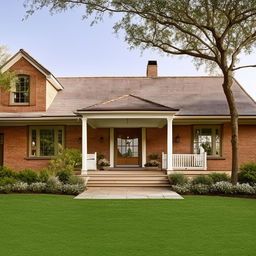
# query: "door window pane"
46,142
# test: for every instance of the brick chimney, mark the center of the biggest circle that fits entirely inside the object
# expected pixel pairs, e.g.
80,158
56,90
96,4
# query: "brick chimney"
152,68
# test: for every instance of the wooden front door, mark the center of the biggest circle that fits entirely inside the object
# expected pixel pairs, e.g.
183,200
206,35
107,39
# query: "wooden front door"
128,147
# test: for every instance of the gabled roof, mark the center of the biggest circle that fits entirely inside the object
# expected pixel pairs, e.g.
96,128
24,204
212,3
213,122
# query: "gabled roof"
128,102
23,54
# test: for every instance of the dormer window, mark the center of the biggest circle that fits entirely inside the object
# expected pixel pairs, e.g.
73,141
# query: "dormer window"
20,92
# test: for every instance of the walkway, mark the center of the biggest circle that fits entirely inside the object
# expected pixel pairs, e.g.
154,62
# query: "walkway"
128,193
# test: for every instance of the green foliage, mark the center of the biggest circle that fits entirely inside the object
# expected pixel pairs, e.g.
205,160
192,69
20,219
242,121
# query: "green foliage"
20,187
27,175
202,179
7,172
152,163
200,189
182,189
7,181
53,185
178,179
247,173
73,180
101,156
72,189
66,158
64,174
222,187
44,174
38,187
154,156
217,177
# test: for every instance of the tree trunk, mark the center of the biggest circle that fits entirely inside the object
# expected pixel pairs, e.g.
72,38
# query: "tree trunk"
227,84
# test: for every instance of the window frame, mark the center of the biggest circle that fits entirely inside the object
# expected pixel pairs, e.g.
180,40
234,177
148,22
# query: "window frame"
219,127
13,91
38,128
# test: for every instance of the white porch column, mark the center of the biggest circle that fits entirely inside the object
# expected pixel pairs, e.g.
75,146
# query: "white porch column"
169,144
143,147
84,145
111,149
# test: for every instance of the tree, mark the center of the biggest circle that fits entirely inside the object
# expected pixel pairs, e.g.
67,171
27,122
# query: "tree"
7,78
213,32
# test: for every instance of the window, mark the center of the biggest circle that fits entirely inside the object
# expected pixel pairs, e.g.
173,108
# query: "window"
20,92
45,141
207,138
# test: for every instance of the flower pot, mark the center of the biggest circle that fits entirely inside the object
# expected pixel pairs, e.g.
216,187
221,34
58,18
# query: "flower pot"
152,168
104,168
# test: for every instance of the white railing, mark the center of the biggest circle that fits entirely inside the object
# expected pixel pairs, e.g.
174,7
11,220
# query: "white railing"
92,161
186,161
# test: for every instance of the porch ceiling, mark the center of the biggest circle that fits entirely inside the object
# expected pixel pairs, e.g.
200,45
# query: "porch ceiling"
127,123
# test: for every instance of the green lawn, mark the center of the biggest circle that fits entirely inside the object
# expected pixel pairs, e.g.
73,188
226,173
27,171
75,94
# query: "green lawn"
58,225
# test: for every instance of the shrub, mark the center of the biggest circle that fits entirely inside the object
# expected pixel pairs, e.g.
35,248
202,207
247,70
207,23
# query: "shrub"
178,179
7,181
202,179
181,189
53,185
73,180
38,187
74,189
154,156
66,158
27,175
44,174
222,187
217,177
243,189
20,187
247,173
7,172
64,174
152,163
200,189
6,189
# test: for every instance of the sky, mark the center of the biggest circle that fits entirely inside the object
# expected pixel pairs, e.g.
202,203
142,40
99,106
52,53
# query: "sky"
68,46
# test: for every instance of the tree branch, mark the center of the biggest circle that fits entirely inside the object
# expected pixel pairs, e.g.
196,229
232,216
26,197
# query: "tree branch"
247,66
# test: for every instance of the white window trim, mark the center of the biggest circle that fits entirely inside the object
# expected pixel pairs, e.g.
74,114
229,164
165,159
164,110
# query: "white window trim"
195,127
37,128
12,91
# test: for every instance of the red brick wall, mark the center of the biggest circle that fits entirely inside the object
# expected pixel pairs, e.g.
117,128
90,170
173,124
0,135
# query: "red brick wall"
37,89
16,144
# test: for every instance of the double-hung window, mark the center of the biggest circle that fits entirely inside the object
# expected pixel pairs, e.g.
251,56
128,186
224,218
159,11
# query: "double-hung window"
207,138
20,91
45,141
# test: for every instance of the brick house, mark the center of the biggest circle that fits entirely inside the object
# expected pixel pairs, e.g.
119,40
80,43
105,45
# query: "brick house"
185,120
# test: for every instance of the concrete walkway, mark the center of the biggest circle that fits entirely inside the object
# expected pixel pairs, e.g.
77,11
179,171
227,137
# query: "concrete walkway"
128,193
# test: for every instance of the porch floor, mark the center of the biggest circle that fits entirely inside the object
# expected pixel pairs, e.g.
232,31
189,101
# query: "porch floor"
129,193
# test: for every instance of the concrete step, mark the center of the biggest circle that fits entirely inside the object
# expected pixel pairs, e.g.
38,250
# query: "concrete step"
89,173
127,185
128,181
131,178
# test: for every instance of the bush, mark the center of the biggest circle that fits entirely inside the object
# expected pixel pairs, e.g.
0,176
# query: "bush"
178,179
74,189
247,173
6,188
7,172
200,189
53,185
202,179
64,174
217,177
66,158
182,189
7,181
27,175
38,187
20,187
44,174
73,180
243,189
222,187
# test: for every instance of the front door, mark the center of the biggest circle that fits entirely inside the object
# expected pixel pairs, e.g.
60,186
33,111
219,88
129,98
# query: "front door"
128,147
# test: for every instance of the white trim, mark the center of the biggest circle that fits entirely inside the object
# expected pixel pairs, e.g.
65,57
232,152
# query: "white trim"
143,147
50,77
112,147
125,112
84,146
169,144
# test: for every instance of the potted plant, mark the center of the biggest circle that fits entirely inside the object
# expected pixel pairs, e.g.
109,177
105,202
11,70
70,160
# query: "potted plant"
103,164
152,165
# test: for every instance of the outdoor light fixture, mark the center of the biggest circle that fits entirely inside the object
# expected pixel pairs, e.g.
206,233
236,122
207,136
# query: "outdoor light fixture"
177,139
101,139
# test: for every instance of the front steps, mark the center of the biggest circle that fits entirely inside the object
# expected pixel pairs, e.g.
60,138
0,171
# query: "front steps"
127,178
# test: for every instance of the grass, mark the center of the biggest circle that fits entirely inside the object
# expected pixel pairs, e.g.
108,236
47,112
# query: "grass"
52,225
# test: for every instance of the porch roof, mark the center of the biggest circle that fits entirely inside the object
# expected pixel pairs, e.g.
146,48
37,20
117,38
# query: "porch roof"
128,102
